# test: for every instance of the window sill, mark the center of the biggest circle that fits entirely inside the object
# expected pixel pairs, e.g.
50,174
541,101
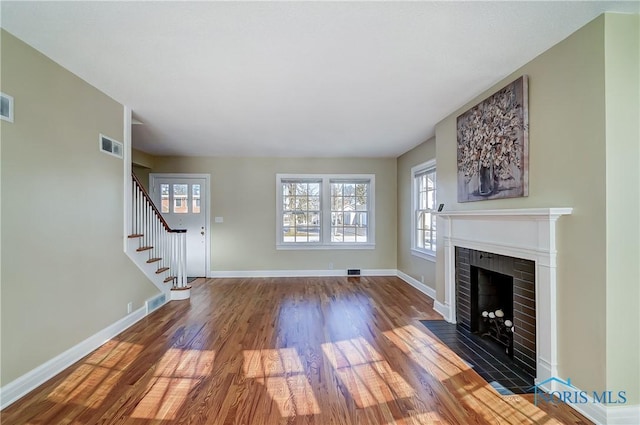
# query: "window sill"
303,247
424,255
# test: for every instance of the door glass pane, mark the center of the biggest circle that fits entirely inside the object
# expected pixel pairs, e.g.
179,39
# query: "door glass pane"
164,198
195,198
180,194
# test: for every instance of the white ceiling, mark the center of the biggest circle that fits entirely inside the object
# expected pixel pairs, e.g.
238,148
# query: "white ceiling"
319,79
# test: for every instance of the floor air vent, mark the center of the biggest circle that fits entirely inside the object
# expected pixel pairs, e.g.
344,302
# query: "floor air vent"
155,302
353,272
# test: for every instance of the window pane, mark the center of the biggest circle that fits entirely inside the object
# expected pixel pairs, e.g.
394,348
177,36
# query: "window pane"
349,189
314,203
180,194
349,216
427,220
431,180
431,199
288,188
314,234
337,204
422,183
195,190
349,203
301,211
164,198
314,189
288,227
349,233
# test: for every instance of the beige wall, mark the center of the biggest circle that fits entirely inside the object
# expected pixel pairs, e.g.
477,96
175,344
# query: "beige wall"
142,159
243,192
622,81
568,148
141,166
64,273
415,267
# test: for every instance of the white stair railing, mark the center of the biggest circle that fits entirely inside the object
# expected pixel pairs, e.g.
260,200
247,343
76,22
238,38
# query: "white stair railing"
166,246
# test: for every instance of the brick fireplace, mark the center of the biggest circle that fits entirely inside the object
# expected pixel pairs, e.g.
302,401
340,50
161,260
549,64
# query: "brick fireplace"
528,236
486,282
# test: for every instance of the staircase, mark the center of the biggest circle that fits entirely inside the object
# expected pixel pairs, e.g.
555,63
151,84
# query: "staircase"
157,249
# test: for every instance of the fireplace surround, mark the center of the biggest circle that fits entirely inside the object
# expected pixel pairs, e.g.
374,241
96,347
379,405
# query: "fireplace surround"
528,234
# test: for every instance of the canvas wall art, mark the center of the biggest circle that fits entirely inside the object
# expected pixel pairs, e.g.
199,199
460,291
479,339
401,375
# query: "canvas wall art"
493,146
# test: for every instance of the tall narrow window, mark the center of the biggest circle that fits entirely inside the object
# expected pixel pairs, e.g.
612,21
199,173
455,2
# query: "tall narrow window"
164,198
424,208
195,199
180,195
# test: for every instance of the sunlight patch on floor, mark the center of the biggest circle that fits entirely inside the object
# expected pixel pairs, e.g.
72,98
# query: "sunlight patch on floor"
433,356
177,373
367,376
94,378
271,362
283,376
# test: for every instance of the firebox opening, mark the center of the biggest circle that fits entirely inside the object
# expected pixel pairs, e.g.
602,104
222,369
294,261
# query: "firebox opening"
492,307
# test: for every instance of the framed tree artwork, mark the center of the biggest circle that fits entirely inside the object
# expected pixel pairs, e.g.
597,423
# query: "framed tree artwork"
493,146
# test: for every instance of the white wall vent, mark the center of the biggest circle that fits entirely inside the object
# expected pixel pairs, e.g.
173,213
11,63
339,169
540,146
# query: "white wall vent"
155,302
6,107
110,146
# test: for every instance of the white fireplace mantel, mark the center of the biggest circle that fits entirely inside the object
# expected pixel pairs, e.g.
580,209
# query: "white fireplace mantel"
528,233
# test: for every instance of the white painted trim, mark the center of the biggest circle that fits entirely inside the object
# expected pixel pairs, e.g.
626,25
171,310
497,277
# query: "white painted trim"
207,220
127,189
36,377
427,290
180,294
623,415
423,254
443,310
522,212
298,273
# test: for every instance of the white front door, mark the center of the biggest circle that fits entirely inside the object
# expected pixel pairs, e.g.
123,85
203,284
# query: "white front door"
182,201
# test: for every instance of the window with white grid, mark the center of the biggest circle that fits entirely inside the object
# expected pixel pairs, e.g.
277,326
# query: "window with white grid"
325,211
424,208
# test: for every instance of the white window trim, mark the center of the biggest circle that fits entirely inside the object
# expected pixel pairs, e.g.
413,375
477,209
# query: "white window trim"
418,252
325,213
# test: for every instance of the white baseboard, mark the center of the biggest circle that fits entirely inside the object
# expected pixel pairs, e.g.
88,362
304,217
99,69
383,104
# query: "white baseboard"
624,415
607,415
600,413
443,310
31,380
427,290
298,273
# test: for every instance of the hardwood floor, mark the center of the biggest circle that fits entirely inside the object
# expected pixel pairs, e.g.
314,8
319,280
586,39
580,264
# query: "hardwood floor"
280,351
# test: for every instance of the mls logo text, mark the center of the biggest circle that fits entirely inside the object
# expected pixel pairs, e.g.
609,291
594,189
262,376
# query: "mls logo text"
570,394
